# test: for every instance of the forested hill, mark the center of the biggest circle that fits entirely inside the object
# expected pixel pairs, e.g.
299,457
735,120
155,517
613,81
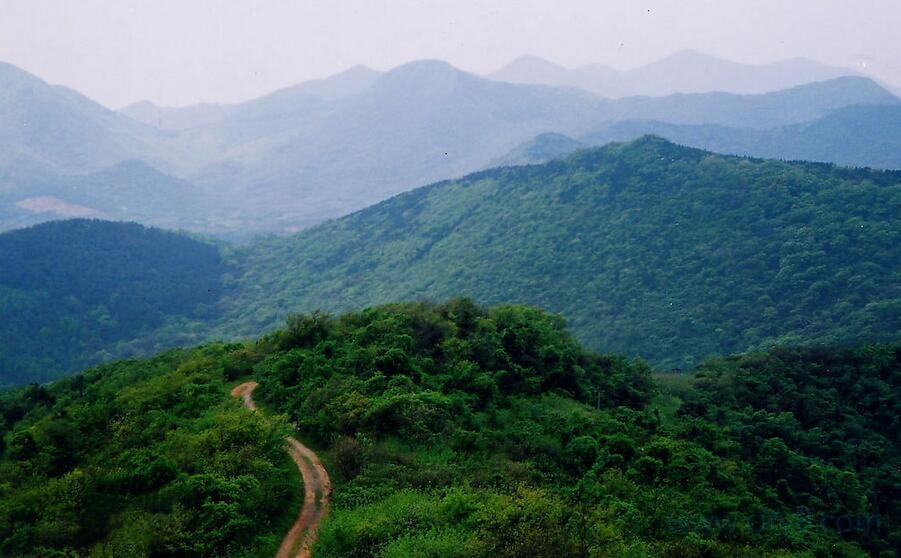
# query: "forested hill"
70,291
457,431
646,247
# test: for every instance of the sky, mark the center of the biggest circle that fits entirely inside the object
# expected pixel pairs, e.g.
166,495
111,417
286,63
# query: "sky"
179,52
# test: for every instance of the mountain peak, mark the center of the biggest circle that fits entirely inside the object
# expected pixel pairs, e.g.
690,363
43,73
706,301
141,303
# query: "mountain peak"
433,66
856,86
347,83
431,74
142,105
359,69
651,143
685,59
532,69
532,62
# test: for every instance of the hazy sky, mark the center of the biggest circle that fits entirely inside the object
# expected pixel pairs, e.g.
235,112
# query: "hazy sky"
176,52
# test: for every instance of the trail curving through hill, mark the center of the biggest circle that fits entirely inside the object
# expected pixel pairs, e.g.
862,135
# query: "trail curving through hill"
316,485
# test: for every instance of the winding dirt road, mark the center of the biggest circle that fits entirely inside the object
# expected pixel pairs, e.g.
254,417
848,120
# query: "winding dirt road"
316,484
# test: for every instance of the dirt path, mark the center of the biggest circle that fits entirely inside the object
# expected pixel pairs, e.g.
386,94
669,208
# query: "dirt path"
316,484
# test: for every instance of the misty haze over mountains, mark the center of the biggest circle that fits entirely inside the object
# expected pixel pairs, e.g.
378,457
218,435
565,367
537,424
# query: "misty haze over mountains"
844,136
325,148
686,71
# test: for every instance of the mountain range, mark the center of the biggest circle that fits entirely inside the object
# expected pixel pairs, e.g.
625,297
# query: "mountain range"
858,135
505,330
648,248
325,148
686,71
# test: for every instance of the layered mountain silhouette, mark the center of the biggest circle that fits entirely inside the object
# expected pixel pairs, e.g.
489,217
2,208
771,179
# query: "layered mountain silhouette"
345,84
861,135
325,148
686,71
46,128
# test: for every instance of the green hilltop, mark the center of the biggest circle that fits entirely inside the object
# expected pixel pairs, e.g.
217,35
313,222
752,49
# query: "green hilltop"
455,430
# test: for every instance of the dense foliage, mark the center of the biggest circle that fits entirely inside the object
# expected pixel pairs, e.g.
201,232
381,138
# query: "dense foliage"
76,292
646,248
821,427
459,431
143,458
455,430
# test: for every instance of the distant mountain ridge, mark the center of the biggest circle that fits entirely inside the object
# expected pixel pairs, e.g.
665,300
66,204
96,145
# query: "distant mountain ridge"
350,82
60,130
322,149
857,136
686,71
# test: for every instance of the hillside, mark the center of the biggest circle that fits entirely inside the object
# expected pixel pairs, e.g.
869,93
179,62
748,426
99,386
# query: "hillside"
61,131
778,108
63,155
647,248
345,84
138,459
453,430
77,292
541,149
314,158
